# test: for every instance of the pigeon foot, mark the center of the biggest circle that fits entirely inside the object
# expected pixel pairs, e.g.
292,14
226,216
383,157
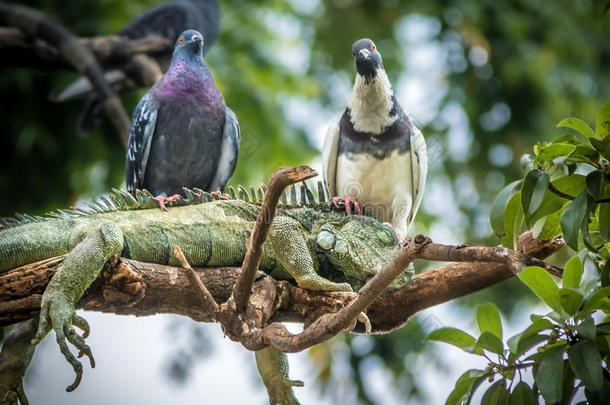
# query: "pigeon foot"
348,204
162,200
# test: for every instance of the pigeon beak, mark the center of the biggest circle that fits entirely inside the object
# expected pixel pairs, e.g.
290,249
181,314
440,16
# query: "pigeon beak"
364,54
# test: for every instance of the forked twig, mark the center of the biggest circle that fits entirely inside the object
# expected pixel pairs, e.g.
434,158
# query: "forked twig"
281,178
207,299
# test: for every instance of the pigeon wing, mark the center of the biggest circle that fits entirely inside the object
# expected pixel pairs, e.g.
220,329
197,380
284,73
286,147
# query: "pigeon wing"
419,169
228,151
330,149
141,133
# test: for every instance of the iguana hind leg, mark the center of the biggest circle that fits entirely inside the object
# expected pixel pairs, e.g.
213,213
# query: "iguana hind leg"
291,251
272,366
98,242
16,355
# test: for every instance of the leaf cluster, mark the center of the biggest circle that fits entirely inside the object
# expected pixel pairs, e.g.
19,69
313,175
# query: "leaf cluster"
565,192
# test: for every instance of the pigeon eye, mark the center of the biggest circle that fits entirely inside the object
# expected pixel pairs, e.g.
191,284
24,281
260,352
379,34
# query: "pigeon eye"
181,40
373,48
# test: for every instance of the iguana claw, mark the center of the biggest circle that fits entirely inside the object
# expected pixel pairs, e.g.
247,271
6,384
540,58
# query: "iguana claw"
60,311
272,366
362,318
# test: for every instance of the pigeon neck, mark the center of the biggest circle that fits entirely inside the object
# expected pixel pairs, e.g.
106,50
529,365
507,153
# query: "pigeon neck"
371,103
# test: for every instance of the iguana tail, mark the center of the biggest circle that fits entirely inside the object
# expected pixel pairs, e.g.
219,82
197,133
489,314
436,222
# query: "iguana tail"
31,242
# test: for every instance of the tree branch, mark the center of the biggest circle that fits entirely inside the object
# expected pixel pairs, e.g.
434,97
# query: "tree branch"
281,178
134,288
38,26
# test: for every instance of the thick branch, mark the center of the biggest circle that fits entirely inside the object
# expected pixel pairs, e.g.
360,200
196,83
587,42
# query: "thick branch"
142,289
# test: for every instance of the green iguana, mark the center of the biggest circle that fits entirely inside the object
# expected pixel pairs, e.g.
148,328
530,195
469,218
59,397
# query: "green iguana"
308,243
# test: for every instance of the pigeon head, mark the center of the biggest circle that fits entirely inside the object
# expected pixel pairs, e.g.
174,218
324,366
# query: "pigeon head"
189,43
368,60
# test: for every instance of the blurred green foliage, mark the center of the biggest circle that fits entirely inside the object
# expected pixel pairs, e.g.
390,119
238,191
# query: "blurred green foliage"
565,192
484,79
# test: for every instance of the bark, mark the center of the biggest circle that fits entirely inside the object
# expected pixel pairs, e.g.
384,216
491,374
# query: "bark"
129,287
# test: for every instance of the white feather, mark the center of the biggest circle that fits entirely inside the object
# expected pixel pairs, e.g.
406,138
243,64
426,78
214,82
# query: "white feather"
370,103
329,157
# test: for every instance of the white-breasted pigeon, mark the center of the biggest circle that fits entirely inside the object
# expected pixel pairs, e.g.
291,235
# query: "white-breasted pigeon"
374,154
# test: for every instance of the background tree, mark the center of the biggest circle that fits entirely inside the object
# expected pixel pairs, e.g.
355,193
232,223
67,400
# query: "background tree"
485,80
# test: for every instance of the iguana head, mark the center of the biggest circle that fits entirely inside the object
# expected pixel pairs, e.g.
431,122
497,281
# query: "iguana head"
355,248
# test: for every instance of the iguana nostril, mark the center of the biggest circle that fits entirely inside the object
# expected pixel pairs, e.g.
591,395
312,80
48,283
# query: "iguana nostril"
340,247
325,240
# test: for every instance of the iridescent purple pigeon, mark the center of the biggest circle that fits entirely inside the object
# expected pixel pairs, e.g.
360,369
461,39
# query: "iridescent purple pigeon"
182,134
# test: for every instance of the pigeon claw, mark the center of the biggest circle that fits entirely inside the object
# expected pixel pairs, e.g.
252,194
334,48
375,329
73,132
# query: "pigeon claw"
162,200
348,204
218,195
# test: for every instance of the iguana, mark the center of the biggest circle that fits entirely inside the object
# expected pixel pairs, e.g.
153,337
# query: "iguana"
308,243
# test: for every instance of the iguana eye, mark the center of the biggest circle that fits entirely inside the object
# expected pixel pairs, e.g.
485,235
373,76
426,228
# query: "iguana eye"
325,240
386,234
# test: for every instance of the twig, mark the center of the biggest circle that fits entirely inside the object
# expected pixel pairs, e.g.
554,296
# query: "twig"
202,292
560,193
280,179
420,247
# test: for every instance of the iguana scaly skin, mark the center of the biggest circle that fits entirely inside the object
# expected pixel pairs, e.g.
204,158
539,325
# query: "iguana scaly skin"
308,243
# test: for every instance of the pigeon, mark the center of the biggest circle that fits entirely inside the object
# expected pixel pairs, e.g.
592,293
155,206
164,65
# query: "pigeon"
374,154
167,20
182,133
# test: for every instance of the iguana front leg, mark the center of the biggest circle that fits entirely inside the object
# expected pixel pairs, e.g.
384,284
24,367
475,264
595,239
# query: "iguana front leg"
16,355
80,268
272,366
291,251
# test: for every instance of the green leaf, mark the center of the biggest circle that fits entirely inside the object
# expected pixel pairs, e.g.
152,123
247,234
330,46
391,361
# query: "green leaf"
465,386
533,191
604,221
570,300
547,153
578,125
571,185
488,318
542,284
595,182
596,299
587,328
548,227
572,219
602,128
586,154
586,364
549,376
498,207
522,395
513,221
538,324
497,394
602,145
605,274
603,328
572,273
524,343
454,337
489,342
